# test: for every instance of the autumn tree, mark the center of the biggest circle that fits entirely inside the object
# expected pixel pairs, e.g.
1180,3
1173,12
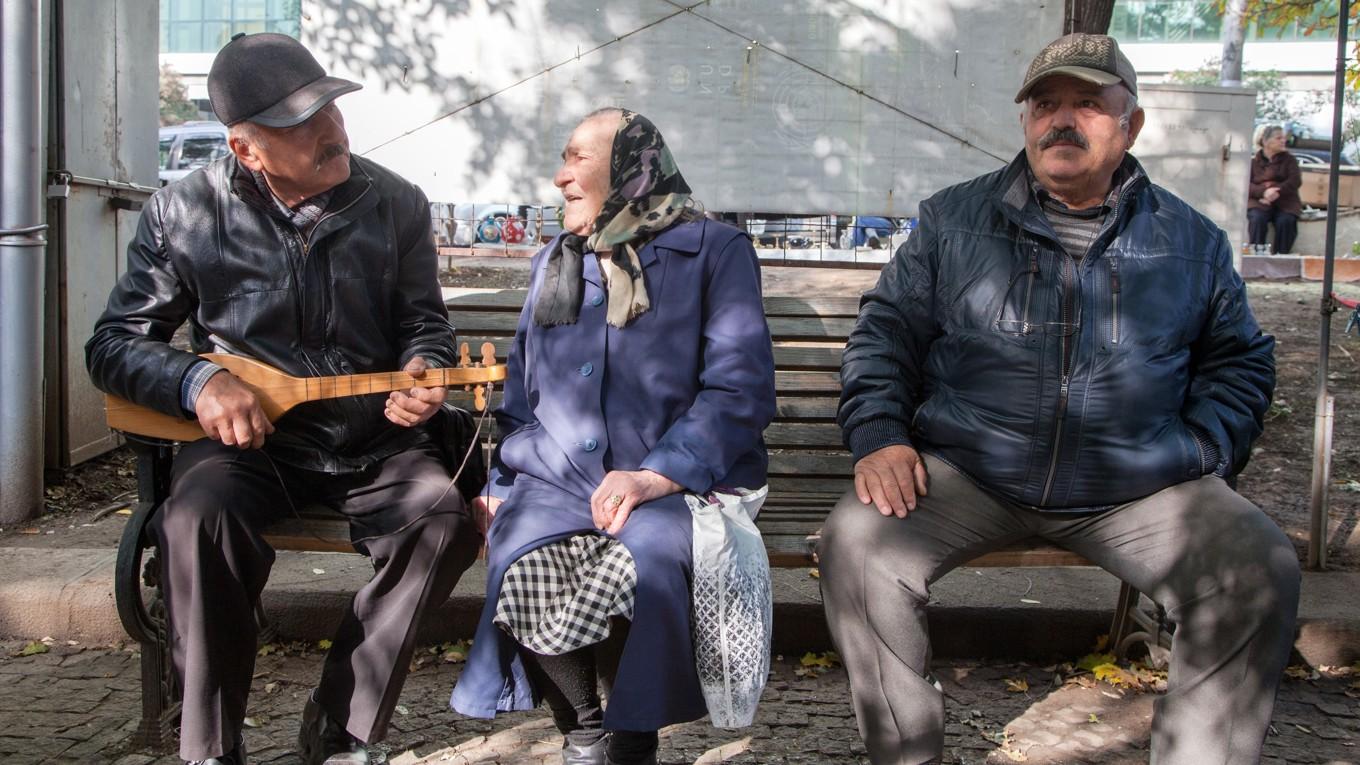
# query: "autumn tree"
176,107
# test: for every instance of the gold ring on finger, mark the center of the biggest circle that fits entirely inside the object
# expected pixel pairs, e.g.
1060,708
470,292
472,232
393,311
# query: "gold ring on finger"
616,500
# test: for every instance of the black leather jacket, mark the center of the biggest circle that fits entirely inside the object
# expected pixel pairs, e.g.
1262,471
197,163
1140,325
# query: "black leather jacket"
360,294
1053,383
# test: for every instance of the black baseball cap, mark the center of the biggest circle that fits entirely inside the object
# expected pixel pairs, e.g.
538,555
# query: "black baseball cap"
1094,58
270,79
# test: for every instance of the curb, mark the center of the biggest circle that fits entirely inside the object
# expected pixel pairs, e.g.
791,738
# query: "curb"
1029,614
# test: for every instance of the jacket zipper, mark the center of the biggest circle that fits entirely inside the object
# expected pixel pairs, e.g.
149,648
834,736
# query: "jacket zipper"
1029,285
325,294
1114,301
1065,383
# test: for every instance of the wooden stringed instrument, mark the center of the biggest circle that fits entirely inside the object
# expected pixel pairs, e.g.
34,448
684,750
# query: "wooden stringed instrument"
279,392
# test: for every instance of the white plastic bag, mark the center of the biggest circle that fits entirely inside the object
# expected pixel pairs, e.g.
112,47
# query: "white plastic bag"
732,608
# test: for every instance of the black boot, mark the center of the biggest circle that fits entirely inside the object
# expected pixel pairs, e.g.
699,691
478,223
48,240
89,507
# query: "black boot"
583,748
323,741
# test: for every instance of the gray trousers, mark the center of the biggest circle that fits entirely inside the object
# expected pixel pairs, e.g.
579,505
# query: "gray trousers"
1226,574
403,514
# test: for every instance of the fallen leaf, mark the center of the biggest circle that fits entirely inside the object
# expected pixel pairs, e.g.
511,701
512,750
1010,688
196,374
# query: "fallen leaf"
251,722
1092,660
1101,642
815,573
1017,686
35,647
267,649
402,710
124,511
1111,674
318,571
271,687
1092,718
324,644
825,660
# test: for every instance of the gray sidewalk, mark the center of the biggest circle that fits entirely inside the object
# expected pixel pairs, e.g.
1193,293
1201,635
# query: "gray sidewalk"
77,703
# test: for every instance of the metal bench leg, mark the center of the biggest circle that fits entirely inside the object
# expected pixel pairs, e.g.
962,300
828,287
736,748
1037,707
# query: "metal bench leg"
1132,625
145,622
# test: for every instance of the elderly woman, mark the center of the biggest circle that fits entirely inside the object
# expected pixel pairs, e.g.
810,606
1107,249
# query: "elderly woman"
1274,193
641,377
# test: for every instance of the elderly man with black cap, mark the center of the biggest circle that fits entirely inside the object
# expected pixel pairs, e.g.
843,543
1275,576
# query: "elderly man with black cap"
1062,350
319,263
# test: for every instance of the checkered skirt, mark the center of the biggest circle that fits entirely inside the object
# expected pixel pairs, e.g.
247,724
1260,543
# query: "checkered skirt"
560,597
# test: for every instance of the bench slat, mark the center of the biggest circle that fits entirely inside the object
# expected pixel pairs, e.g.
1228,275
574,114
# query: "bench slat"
511,300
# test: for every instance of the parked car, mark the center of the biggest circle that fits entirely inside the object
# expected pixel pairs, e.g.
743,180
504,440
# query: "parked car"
185,148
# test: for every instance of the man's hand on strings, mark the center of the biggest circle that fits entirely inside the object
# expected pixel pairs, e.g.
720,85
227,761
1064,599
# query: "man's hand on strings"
414,406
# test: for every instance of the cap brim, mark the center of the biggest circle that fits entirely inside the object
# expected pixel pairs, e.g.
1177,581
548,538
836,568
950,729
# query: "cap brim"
1080,72
301,104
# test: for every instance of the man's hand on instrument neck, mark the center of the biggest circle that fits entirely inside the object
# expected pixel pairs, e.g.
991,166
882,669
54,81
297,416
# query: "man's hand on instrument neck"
229,412
409,408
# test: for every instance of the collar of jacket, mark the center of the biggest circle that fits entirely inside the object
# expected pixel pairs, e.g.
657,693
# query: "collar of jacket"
686,237
1016,199
348,200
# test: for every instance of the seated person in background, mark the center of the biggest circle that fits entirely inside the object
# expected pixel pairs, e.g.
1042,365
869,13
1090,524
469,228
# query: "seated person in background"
1273,196
641,377
1062,350
293,252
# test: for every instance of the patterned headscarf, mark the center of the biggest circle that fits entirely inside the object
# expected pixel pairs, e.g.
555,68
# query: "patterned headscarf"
646,196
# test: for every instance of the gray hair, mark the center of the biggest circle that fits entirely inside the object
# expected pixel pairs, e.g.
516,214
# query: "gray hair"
604,111
1130,106
246,131
1265,133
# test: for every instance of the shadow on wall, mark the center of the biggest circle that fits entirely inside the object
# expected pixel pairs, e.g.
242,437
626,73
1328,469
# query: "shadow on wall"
839,105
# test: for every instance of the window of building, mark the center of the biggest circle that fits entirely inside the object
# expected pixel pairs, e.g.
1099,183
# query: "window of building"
204,26
1198,21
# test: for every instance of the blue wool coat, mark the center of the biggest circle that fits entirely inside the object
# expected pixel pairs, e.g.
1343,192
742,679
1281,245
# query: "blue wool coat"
685,389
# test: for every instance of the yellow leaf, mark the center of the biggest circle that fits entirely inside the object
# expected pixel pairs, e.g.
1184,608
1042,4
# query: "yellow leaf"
825,660
1017,686
1092,718
1101,642
815,573
1111,674
1092,660
323,644
267,649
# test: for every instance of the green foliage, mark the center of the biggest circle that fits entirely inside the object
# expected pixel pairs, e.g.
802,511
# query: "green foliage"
1271,102
1313,16
176,107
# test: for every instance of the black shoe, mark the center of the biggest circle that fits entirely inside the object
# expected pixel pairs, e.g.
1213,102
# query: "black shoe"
583,753
322,741
236,756
630,747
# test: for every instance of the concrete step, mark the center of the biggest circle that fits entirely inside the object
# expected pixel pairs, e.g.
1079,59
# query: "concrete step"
1031,614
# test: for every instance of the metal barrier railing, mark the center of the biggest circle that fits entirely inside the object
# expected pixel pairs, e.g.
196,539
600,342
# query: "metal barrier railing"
519,230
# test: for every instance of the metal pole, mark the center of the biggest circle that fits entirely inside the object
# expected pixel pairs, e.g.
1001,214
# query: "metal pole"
1322,435
22,243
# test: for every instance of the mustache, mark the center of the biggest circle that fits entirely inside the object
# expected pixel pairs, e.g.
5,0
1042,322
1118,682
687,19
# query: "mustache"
331,152
1063,135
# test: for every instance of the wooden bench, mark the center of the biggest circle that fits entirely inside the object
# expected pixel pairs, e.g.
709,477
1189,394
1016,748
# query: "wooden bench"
809,470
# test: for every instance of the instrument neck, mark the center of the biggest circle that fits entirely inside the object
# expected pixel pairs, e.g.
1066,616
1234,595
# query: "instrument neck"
376,382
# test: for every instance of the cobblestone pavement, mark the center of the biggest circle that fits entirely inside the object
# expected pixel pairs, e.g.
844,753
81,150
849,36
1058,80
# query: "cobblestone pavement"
75,704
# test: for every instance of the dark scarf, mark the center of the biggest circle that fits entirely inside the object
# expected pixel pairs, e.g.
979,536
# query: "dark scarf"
646,196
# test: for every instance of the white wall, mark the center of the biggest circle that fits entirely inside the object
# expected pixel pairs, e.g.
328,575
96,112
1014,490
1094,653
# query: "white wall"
742,89
1182,147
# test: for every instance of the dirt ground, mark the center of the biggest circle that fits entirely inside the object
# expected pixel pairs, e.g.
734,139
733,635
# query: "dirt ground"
1277,479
